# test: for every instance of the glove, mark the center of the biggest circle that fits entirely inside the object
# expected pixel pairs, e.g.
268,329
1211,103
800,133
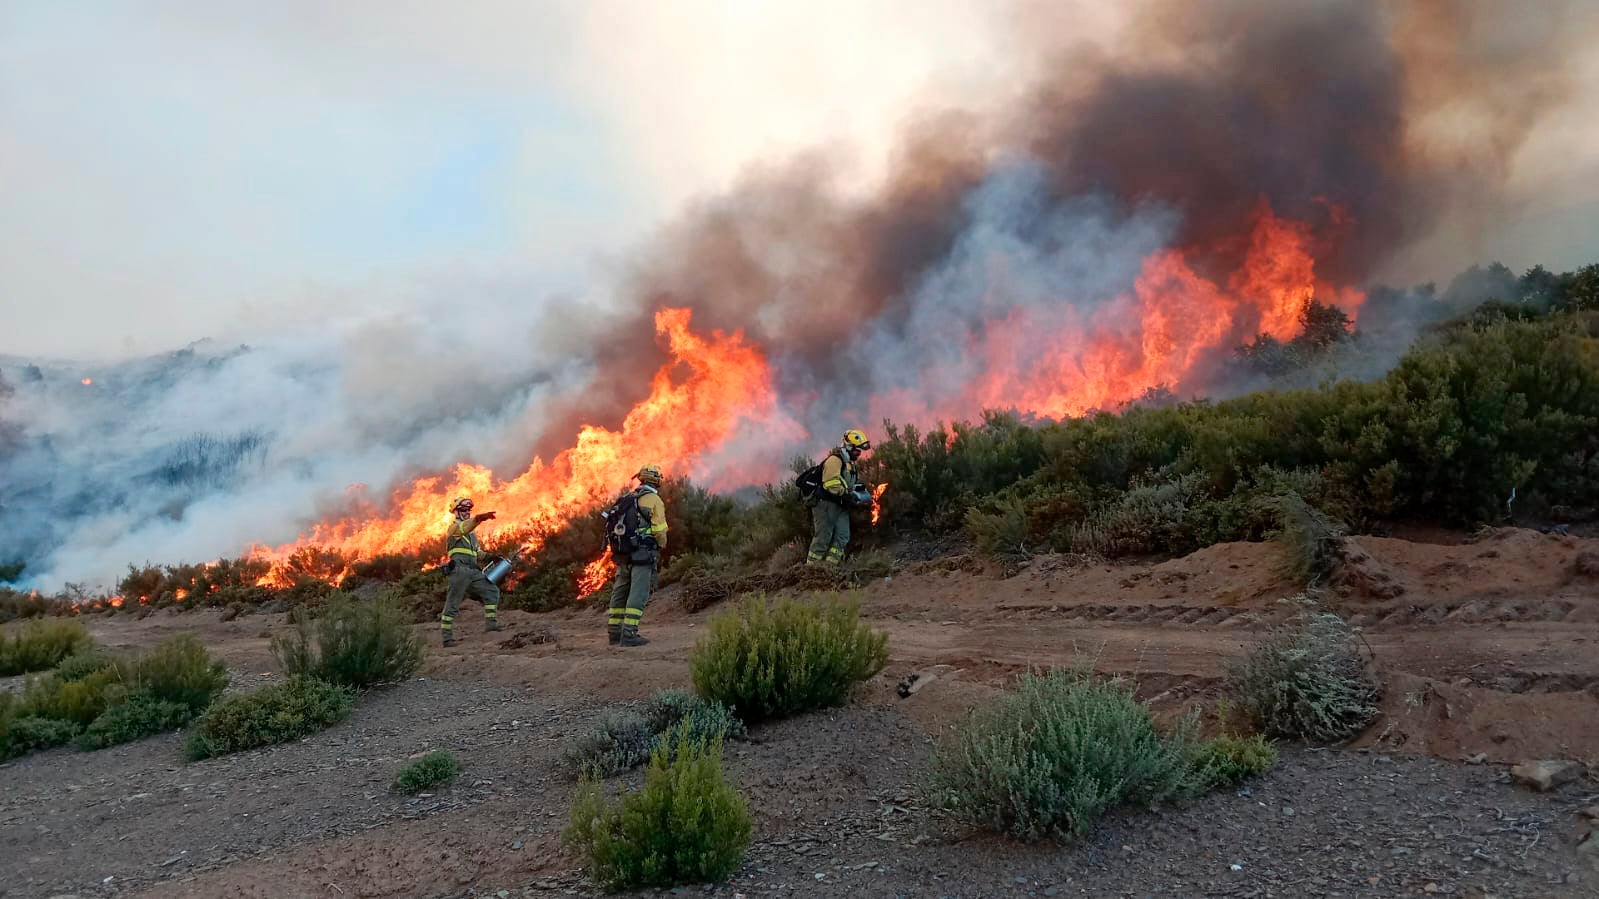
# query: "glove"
648,541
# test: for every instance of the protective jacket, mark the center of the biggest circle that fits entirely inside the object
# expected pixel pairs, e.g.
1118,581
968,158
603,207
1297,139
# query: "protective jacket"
838,476
460,543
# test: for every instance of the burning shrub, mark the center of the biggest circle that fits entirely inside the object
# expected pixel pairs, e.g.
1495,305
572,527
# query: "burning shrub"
15,604
142,715
625,740
354,643
40,645
687,824
429,771
1305,680
387,568
769,661
277,713
1051,758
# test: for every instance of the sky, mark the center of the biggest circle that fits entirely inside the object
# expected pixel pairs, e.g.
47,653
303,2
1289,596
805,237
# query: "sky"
180,170
174,171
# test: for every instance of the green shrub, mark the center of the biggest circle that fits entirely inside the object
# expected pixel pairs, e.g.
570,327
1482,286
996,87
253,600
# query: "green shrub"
178,670
671,710
39,645
426,772
1051,758
79,701
142,715
1228,761
353,643
625,740
22,735
1003,534
80,665
1305,680
620,741
769,661
687,824
277,713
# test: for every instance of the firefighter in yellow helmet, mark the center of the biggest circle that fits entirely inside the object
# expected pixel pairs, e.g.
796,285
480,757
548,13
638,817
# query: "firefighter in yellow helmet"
830,507
635,534
465,574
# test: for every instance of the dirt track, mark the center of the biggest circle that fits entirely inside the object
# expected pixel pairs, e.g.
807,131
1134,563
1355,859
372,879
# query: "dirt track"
1488,648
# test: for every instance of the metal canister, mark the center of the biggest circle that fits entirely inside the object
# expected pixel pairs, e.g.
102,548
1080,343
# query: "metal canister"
499,568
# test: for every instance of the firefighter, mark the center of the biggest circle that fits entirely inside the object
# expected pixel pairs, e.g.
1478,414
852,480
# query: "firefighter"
466,575
830,508
637,560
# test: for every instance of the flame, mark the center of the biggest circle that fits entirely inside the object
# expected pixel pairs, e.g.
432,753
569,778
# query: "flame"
182,594
594,576
86,381
114,602
1068,362
724,380
1167,331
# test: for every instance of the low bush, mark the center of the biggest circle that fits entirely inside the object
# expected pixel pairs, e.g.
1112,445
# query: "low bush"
103,700
22,735
625,740
1051,758
618,742
140,716
293,708
82,664
1229,760
1312,539
78,701
178,670
1305,680
429,771
687,824
40,644
765,660
354,643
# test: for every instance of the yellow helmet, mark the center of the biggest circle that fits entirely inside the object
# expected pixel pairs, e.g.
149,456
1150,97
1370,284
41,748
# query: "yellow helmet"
856,439
650,474
461,502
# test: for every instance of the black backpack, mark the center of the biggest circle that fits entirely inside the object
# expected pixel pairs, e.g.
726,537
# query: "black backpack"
622,525
809,481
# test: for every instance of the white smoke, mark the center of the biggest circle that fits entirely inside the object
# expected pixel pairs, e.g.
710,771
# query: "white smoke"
196,455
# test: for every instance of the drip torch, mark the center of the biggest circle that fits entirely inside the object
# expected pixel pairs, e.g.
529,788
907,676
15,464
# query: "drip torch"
502,566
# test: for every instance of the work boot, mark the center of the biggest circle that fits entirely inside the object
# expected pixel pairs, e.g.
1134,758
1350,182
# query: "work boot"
631,637
449,638
613,634
495,625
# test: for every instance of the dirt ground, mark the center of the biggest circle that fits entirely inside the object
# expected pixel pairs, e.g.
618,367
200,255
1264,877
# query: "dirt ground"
1487,649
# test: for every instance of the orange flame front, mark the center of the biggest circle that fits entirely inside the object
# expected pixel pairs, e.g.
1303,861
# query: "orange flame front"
726,380
594,576
877,507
